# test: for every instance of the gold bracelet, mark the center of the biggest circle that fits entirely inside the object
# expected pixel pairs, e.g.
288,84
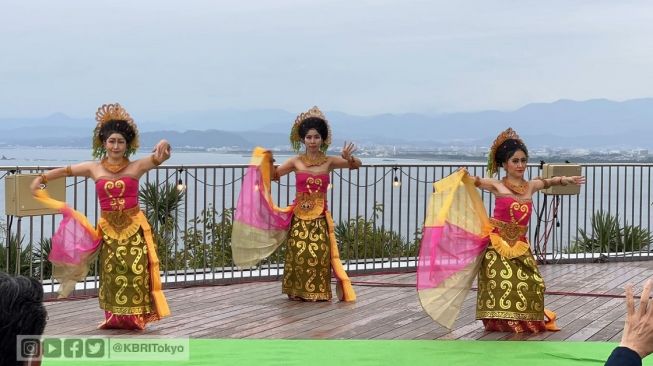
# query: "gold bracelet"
69,171
353,164
44,181
546,182
155,161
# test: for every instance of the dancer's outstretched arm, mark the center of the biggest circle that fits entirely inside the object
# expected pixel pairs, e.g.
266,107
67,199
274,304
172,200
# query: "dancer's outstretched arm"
84,169
486,184
346,158
160,153
542,183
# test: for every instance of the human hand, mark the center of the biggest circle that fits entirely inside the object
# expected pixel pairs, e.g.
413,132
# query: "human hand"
348,150
36,185
162,151
577,180
638,330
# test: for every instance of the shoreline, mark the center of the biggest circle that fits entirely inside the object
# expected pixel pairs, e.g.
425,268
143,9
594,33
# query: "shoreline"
427,156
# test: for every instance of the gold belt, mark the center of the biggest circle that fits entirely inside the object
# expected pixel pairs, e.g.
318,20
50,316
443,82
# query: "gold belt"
309,206
120,219
508,231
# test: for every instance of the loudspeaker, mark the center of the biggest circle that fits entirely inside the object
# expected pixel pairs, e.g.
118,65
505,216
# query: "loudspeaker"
19,200
559,170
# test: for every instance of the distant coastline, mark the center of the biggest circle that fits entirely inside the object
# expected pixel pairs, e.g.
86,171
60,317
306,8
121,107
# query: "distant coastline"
42,155
591,130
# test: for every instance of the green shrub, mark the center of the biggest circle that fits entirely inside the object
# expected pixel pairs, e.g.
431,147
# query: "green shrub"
208,242
607,236
162,205
10,256
361,238
40,255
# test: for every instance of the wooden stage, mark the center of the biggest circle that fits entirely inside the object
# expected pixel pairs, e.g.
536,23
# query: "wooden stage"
588,299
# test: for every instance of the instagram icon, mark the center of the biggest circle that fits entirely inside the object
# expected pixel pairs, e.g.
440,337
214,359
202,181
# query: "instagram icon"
29,348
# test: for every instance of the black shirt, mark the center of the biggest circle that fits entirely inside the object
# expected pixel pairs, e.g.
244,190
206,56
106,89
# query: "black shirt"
623,356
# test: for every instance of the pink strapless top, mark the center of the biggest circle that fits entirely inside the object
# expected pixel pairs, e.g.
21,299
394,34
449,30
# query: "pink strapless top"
512,210
309,184
117,194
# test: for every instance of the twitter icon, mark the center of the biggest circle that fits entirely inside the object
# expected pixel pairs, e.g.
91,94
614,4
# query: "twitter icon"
94,348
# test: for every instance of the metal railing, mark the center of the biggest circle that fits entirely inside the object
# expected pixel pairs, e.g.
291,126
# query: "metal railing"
378,210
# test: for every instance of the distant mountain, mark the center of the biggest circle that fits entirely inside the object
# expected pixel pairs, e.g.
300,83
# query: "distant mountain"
203,139
564,123
57,126
583,122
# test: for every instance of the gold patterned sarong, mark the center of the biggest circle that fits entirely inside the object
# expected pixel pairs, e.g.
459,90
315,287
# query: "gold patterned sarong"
129,275
509,288
307,269
125,279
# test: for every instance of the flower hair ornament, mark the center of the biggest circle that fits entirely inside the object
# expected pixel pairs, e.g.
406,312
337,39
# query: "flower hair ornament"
503,136
295,138
112,112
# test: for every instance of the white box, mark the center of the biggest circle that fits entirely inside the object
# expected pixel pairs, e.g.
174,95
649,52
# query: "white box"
19,200
560,170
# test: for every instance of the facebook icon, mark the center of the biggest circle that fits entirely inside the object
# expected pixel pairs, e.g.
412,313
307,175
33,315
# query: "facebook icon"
73,348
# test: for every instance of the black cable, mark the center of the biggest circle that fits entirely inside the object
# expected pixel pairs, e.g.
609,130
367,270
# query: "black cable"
415,179
361,185
213,185
537,227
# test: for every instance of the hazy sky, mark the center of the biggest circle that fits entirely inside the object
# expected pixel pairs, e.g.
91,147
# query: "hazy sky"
360,57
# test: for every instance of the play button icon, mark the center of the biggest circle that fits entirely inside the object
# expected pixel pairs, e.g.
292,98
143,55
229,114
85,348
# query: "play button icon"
51,348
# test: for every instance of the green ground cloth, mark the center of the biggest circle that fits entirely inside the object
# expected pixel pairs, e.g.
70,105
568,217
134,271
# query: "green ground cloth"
244,352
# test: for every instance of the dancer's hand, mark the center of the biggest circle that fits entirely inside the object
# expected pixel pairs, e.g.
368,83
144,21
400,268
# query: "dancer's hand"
36,185
162,150
348,150
576,179
638,330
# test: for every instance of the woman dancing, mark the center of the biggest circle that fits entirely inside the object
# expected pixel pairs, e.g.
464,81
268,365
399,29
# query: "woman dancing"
510,287
130,286
260,227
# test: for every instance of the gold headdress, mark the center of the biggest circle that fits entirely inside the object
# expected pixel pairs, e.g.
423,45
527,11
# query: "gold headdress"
296,140
503,136
112,112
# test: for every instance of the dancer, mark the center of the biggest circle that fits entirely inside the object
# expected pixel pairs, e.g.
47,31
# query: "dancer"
460,242
130,286
260,227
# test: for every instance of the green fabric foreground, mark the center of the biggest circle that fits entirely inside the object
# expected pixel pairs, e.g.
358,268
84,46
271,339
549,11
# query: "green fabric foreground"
243,352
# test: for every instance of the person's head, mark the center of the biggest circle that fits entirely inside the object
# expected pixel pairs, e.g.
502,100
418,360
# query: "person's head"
309,127
313,132
117,137
115,131
506,148
512,155
21,313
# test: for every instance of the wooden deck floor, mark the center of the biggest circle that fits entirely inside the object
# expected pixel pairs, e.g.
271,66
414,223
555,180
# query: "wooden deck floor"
387,308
